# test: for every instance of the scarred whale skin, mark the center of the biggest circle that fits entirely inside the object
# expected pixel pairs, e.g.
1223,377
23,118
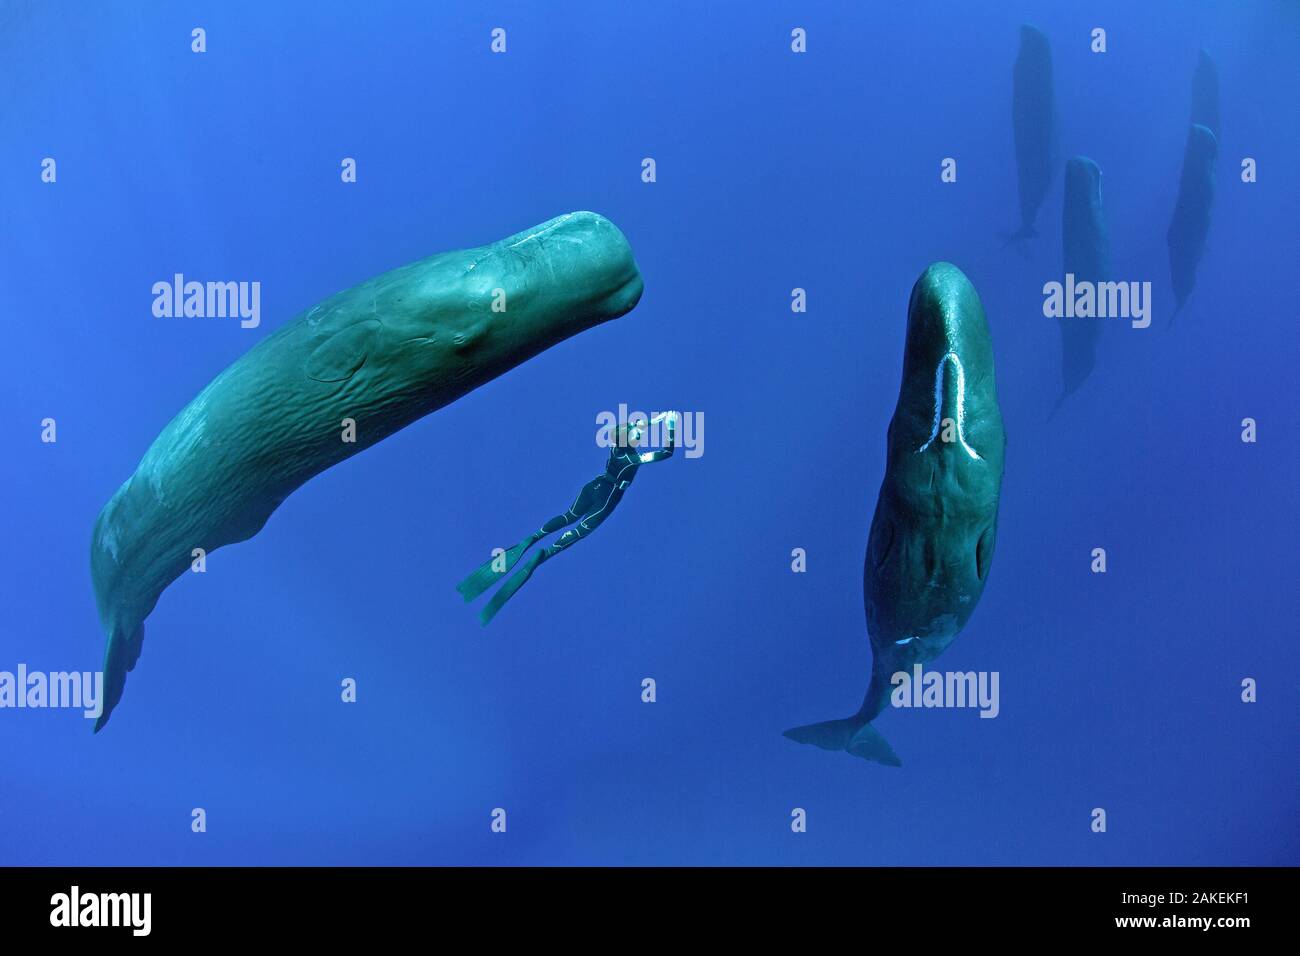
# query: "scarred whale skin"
383,353
932,536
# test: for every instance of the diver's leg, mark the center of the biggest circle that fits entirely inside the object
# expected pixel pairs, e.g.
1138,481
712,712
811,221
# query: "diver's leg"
571,537
575,534
555,524
498,566
520,578
589,523
494,568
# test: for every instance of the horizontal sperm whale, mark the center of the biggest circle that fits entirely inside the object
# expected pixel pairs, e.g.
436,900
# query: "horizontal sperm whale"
1190,224
935,525
381,354
1033,121
1085,241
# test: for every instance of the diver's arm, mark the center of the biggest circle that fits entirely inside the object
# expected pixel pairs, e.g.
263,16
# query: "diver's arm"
653,456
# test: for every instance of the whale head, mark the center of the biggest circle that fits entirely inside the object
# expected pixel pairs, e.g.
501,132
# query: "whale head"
580,258
538,287
932,537
479,312
947,402
1082,183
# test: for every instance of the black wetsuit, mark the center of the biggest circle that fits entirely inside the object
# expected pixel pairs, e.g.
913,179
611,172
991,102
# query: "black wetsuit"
599,497
595,502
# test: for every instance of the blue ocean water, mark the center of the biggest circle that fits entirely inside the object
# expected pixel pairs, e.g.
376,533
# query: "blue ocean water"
775,170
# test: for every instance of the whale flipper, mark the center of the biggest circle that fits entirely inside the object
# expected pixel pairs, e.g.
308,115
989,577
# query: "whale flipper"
120,657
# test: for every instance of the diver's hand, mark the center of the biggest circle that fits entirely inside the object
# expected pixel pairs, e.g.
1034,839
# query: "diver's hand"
671,419
667,451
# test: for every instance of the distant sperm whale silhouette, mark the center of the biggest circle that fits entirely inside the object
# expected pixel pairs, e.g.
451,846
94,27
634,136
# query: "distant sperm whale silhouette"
1205,94
1033,121
1190,225
932,536
383,354
1085,241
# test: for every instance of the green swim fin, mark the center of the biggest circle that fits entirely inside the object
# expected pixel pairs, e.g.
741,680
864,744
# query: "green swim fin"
508,589
486,575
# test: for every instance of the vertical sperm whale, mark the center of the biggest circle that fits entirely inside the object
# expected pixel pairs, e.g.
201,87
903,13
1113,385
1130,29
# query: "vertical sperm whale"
935,524
382,355
1085,242
1205,94
1033,121
1190,224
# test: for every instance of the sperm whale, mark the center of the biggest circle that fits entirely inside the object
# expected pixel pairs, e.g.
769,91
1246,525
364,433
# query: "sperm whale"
381,355
932,536
1033,120
1085,242
1190,224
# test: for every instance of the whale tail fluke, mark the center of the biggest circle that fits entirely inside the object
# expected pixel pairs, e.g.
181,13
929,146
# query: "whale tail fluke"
1059,402
119,658
1177,308
1017,238
853,735
487,574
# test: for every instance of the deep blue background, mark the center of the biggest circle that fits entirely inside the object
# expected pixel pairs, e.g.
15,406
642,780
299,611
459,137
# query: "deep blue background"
774,171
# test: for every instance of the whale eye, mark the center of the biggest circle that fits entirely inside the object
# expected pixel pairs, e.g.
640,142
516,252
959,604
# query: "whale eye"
984,552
